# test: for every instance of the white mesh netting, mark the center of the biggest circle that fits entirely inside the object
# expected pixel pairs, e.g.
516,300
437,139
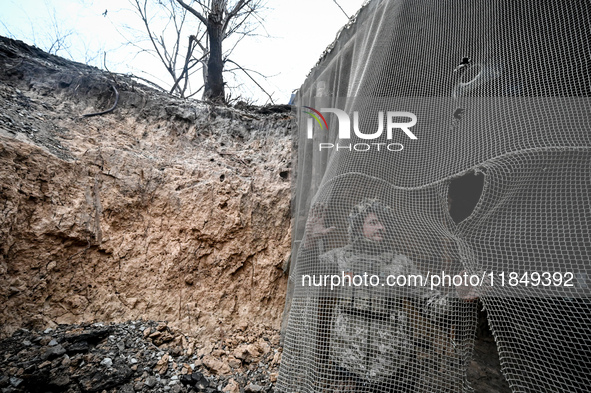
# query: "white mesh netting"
496,186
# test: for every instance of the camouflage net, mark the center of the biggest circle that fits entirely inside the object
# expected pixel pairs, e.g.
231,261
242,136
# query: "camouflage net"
467,153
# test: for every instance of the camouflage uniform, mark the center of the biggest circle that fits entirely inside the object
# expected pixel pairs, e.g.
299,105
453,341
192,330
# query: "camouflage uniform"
371,335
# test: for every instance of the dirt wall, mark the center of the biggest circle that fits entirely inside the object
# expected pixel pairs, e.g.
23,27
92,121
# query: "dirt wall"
164,209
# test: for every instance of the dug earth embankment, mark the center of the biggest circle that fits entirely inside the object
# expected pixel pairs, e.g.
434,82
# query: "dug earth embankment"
163,209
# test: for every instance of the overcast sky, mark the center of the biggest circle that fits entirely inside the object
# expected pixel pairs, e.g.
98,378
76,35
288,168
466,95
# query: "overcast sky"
299,32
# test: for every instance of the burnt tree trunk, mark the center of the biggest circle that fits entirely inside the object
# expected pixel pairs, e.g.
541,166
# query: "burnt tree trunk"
217,22
214,83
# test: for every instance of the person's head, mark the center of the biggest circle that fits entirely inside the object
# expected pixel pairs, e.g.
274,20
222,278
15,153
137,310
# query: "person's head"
368,220
372,228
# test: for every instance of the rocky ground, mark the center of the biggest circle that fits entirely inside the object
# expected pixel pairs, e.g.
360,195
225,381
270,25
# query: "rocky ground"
135,356
149,356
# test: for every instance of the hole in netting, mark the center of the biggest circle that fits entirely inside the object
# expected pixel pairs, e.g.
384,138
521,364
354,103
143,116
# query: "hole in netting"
463,195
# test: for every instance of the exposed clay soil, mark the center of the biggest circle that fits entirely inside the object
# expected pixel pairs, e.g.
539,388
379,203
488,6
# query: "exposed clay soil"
164,209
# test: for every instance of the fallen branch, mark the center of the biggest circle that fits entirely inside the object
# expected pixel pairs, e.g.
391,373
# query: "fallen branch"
114,88
146,80
108,110
247,74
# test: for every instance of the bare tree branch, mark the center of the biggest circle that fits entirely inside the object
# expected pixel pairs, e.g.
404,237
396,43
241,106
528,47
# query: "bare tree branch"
195,93
143,15
237,8
186,67
193,11
214,22
167,45
338,5
247,74
148,81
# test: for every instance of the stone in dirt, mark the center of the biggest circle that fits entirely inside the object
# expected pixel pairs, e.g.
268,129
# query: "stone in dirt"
150,382
231,387
215,365
253,388
162,365
53,352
